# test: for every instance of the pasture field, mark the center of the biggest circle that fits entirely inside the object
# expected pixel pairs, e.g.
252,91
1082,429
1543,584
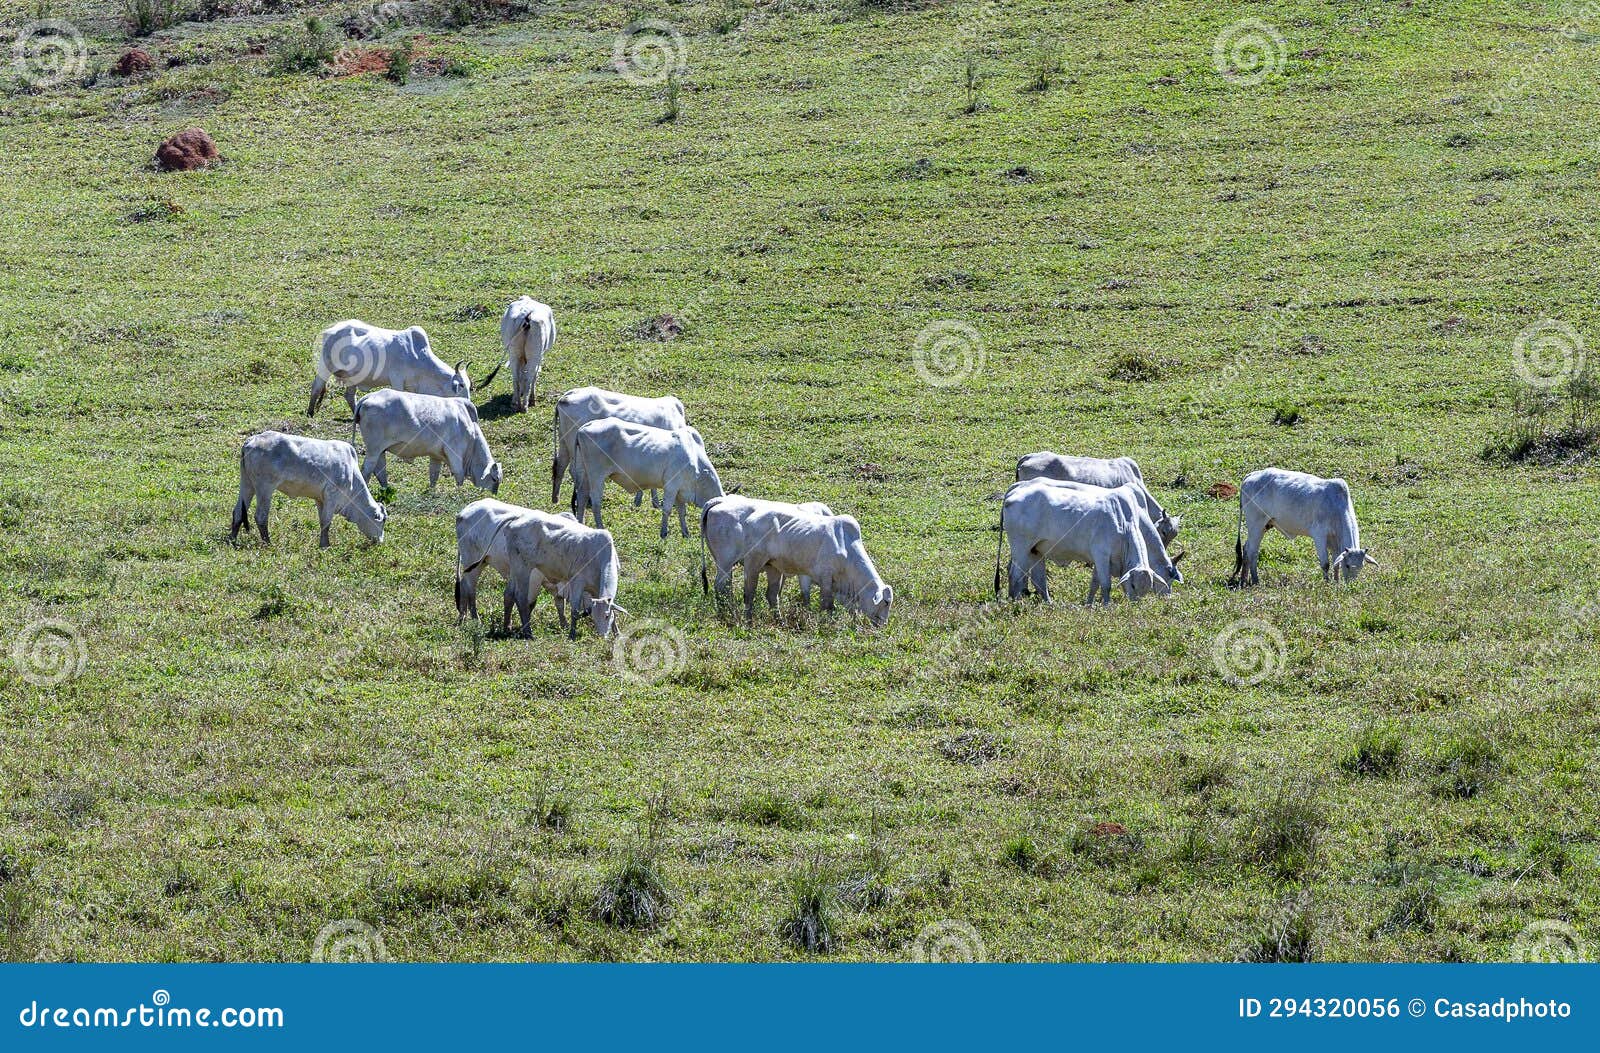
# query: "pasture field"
1326,267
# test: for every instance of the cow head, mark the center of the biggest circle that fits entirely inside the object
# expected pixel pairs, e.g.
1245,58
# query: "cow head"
603,612
1141,582
1348,563
460,386
1167,528
875,604
492,477
370,521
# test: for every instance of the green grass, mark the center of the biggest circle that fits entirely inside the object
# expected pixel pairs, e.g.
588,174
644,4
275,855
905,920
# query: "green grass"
1151,259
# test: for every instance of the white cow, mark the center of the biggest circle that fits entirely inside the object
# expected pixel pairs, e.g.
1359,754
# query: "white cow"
446,431
527,332
365,357
542,550
1299,505
1105,472
824,548
579,406
1163,563
325,470
642,458
723,532
480,541
1049,523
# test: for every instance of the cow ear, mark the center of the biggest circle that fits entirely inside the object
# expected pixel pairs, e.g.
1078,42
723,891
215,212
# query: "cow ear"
1339,562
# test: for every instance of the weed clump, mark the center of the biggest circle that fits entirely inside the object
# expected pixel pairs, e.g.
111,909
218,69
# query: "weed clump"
633,894
810,922
1468,765
1287,832
1378,752
304,48
1287,934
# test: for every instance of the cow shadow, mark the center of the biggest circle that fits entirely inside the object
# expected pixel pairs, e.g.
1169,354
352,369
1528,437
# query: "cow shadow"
498,408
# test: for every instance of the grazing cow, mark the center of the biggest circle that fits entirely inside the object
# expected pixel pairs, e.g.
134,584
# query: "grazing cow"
445,431
722,531
1104,472
824,548
527,331
1299,505
364,357
1047,522
579,406
1161,561
642,458
479,541
542,550
324,470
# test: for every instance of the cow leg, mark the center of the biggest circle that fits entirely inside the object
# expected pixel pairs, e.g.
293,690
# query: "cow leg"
1037,578
561,612
510,595
1255,527
825,602
350,400
263,510
467,594
666,521
774,586
752,571
325,519
1324,554
655,498
525,608
638,500
433,473
805,592
596,492
369,464
683,521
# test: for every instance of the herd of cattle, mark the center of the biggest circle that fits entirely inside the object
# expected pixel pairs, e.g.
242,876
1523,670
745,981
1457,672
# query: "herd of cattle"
1061,509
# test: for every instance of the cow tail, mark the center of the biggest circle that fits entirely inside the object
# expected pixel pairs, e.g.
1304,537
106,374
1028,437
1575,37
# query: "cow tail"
705,586
1238,545
241,509
555,453
999,546
458,582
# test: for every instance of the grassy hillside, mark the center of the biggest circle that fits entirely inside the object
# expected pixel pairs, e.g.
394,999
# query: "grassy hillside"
1147,257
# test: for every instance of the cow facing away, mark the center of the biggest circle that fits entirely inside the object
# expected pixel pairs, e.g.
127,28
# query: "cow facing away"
1299,505
324,470
643,458
1045,522
825,548
446,431
527,332
365,357
542,550
724,533
1107,472
481,541
579,406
